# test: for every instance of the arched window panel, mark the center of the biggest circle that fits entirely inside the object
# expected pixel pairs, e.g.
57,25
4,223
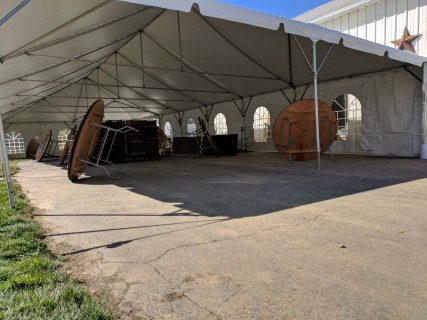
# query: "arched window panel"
14,143
220,124
62,138
191,127
348,111
168,130
262,126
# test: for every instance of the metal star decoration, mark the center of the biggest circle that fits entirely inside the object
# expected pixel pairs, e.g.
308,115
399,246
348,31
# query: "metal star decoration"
405,43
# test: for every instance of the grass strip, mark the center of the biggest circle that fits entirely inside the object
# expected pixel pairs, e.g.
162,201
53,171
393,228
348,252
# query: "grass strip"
32,286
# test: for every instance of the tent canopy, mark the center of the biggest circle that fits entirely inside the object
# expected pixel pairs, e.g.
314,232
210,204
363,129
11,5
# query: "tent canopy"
155,57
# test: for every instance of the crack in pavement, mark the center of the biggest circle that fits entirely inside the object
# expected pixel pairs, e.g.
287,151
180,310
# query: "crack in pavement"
209,242
217,316
234,294
230,238
312,220
184,294
161,275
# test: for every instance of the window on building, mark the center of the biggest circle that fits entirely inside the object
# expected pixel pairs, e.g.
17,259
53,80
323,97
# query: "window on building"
262,127
14,143
220,124
168,130
348,111
62,138
191,127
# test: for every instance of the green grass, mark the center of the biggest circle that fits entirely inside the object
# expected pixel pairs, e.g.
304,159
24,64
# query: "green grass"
32,285
12,166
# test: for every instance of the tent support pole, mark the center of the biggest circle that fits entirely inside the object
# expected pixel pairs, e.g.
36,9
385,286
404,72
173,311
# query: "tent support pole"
424,121
315,70
316,103
97,80
6,169
142,59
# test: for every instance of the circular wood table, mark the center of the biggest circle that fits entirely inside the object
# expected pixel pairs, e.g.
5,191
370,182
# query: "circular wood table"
164,143
44,145
294,131
67,146
83,147
32,147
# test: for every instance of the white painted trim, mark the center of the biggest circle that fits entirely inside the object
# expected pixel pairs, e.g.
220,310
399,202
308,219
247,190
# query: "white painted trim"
342,11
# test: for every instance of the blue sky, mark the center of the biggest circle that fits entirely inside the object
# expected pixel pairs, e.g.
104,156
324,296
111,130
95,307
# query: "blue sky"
283,8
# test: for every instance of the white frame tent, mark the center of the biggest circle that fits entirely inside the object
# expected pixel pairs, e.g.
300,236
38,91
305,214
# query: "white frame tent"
165,57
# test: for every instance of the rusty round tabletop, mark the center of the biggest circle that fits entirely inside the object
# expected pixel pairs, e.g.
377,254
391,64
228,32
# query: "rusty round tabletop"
164,143
32,147
44,144
294,131
83,147
67,146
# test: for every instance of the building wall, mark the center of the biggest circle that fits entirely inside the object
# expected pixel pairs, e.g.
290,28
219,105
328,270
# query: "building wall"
384,21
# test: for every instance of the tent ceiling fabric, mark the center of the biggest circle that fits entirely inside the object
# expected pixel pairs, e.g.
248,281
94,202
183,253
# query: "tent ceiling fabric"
146,57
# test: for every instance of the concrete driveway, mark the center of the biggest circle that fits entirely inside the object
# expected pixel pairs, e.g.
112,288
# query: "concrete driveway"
246,237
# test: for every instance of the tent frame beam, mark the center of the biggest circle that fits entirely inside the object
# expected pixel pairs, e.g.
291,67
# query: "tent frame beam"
38,93
57,29
179,116
207,73
137,92
76,57
131,104
122,86
87,30
193,67
96,97
55,65
33,103
224,37
207,112
162,81
286,96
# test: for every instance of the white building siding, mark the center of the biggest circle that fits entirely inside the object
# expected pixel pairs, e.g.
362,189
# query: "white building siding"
384,21
337,24
361,23
422,16
371,33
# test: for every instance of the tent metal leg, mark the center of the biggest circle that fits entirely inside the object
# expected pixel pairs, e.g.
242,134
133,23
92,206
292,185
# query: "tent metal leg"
316,103
424,121
315,70
6,169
